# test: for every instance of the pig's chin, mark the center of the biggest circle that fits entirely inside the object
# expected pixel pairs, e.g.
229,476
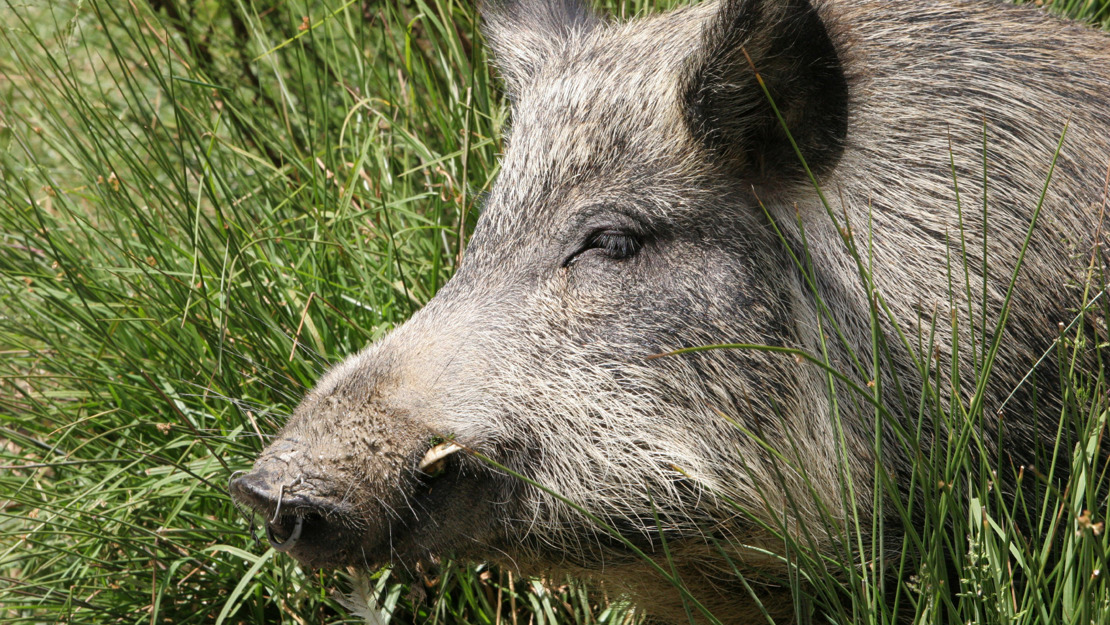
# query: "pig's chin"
447,514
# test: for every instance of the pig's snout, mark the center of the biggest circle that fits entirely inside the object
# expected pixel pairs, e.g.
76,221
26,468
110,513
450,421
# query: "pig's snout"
330,516
283,531
312,529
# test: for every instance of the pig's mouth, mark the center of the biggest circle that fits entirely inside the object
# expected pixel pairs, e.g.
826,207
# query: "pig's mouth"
283,537
333,532
314,530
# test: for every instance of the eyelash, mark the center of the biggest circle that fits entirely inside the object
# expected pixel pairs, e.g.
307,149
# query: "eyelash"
615,245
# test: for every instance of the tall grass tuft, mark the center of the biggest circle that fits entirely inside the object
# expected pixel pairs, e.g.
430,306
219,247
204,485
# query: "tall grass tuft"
203,204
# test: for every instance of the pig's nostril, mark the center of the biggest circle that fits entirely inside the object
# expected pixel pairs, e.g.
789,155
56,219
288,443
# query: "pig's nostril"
281,536
253,490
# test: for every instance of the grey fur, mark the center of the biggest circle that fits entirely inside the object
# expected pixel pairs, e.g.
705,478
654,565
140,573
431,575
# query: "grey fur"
625,224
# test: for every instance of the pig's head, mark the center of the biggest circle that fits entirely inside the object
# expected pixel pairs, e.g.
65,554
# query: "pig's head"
623,225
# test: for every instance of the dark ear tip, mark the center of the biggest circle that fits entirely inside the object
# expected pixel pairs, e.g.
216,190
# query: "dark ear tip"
788,45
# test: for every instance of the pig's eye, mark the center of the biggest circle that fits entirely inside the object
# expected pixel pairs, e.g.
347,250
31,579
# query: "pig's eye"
608,243
615,244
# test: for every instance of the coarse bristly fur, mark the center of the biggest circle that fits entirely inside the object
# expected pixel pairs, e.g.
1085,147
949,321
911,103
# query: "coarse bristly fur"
649,200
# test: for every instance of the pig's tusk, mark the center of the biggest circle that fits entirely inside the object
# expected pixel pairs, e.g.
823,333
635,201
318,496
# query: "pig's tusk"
287,544
437,453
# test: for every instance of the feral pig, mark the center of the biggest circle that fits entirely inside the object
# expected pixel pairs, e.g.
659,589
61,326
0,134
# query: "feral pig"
650,201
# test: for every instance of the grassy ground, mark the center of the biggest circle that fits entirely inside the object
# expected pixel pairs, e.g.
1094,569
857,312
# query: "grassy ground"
204,203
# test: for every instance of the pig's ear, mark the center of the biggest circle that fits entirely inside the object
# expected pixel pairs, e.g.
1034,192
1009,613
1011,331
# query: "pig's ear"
524,34
787,43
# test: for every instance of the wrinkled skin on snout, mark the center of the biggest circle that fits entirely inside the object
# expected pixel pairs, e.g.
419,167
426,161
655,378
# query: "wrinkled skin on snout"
648,202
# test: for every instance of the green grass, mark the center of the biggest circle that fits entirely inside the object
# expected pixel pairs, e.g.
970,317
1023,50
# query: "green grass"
202,204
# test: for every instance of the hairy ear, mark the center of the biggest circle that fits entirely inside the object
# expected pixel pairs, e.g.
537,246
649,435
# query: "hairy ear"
524,34
787,43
